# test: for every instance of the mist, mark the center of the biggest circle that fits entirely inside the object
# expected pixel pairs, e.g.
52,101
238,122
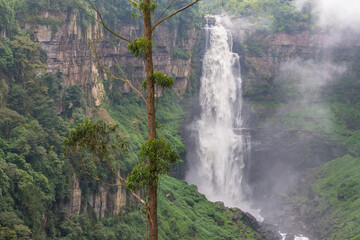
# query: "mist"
311,75
335,15
284,154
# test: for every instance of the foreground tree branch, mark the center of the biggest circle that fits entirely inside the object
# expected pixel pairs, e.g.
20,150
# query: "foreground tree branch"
174,13
101,21
167,8
106,71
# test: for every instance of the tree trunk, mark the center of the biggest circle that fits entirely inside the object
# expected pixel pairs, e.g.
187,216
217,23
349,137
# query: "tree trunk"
152,215
150,101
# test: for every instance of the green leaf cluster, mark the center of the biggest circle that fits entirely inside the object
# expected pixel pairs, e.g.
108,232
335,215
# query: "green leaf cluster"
271,15
156,157
161,80
148,7
138,47
95,136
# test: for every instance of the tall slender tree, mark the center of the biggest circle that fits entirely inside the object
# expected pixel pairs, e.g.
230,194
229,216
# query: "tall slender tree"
155,154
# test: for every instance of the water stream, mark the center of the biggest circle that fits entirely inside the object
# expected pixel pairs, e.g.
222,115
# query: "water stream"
220,143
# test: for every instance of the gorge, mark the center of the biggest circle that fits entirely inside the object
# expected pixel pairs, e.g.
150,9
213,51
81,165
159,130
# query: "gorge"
264,112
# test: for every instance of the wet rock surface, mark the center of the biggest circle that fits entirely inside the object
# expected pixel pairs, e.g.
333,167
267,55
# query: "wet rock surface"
269,231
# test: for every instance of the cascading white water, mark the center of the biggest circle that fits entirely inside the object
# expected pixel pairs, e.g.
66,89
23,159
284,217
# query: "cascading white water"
217,165
301,237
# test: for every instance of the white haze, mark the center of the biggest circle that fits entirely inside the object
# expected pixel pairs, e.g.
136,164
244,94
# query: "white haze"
337,22
310,74
243,26
335,15
310,77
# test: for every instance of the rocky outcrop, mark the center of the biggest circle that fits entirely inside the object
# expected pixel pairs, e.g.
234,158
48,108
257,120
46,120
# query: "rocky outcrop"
75,199
268,231
104,201
3,33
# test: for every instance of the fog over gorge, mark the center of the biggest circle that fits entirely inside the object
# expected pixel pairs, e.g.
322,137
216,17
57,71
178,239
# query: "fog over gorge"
334,15
287,143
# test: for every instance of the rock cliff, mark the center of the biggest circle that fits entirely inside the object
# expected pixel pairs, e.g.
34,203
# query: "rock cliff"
104,201
263,55
69,51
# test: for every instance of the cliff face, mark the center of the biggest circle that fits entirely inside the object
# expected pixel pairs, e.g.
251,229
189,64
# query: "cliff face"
69,51
263,55
103,201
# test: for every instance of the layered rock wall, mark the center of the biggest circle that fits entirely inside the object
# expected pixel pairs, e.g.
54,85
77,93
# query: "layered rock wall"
68,50
263,54
104,201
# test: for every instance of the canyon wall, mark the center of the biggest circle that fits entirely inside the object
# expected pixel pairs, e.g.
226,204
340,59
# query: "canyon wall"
68,50
104,201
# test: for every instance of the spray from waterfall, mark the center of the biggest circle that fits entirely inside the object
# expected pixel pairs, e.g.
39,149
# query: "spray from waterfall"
216,162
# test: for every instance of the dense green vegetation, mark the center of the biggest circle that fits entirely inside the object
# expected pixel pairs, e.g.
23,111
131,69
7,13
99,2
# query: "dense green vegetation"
16,13
184,213
338,190
34,173
268,15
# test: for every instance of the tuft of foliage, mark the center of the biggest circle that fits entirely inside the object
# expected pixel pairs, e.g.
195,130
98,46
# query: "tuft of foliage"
158,154
94,136
96,149
138,47
72,99
150,7
161,80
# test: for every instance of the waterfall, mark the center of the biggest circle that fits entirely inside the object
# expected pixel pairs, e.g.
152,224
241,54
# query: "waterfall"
220,144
